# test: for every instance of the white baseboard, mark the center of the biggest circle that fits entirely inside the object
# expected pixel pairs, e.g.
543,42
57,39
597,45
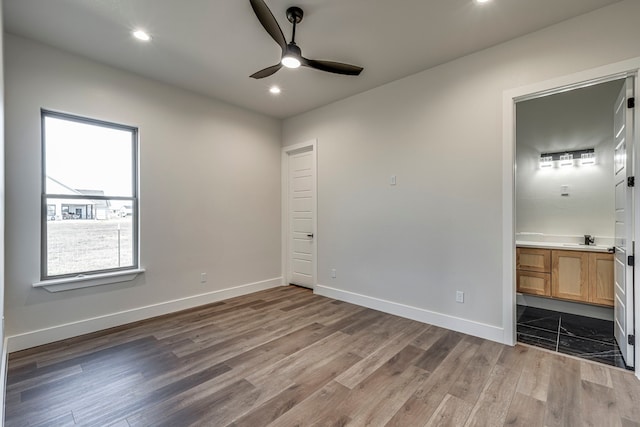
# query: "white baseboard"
597,312
465,326
68,330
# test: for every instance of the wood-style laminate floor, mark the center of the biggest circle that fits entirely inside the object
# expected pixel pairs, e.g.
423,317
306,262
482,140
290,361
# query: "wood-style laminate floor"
286,357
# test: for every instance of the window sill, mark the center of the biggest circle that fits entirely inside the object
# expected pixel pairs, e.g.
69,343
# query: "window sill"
78,282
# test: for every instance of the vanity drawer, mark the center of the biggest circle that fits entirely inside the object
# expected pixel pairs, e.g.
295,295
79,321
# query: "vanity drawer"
533,283
530,259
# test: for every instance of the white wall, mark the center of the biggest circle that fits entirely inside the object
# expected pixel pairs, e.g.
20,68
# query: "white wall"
574,120
209,199
440,131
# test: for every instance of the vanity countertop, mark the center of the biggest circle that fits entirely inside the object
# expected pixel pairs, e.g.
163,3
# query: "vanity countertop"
564,246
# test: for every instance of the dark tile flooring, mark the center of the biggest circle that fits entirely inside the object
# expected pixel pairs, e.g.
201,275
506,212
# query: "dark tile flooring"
580,336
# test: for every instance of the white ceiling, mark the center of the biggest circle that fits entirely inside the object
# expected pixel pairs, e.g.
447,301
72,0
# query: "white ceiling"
212,46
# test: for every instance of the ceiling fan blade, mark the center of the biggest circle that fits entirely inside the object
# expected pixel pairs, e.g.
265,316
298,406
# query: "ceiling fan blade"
266,72
269,23
333,67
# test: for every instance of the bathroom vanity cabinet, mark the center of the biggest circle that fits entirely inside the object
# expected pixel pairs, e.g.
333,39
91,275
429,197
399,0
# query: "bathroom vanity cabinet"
580,276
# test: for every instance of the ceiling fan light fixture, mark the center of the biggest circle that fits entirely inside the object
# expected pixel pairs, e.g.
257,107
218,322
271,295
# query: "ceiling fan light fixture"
141,35
290,61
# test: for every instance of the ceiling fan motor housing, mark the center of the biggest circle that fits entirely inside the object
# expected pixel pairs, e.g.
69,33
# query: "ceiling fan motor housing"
294,14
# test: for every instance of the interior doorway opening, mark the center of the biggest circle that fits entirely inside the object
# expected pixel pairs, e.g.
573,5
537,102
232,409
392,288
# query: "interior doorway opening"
574,220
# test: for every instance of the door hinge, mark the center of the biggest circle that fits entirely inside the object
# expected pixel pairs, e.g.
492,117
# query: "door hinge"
631,340
631,260
631,181
631,103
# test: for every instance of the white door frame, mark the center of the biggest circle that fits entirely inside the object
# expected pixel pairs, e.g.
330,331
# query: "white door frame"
603,74
286,151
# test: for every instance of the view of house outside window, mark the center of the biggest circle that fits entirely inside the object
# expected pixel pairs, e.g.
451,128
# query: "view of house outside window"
89,200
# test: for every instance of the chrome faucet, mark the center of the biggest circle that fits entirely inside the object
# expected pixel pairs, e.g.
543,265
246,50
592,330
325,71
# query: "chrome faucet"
589,239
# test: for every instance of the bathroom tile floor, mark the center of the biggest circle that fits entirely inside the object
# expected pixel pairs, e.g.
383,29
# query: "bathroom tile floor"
580,336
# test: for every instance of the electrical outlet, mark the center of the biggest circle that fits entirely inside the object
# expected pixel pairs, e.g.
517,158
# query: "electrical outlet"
459,296
333,273
203,277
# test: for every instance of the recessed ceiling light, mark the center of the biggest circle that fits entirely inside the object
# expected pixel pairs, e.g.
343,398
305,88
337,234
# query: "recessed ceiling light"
141,35
275,90
482,1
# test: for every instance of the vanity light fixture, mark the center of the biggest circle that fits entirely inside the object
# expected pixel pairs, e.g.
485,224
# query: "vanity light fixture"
587,159
566,158
546,162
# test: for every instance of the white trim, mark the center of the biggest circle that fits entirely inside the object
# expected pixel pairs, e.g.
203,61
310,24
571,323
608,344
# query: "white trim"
508,222
510,97
286,151
636,219
68,330
489,332
4,361
87,281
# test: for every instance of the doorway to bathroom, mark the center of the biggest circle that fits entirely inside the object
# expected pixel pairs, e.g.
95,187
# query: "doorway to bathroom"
574,221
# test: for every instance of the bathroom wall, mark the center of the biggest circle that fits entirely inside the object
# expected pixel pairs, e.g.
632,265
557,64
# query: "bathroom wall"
574,120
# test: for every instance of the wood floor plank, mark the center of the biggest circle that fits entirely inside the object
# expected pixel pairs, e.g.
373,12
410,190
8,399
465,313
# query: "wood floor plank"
628,423
375,359
315,409
472,380
525,411
287,357
536,373
391,398
221,406
292,370
452,412
419,408
302,389
65,420
563,399
432,357
626,385
596,373
494,401
375,400
599,408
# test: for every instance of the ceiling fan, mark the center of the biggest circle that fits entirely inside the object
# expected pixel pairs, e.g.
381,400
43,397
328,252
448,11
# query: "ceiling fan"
291,53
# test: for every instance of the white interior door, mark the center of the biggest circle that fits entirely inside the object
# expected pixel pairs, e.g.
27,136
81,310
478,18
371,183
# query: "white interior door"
623,272
301,202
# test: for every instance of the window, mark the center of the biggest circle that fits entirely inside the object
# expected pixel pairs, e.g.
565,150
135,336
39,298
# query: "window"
89,179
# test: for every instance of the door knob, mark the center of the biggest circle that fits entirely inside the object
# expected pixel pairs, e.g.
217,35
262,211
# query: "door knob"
310,235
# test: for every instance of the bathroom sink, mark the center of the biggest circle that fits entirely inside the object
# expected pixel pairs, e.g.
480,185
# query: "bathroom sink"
583,246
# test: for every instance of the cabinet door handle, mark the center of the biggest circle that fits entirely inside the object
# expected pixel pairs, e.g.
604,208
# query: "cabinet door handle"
310,235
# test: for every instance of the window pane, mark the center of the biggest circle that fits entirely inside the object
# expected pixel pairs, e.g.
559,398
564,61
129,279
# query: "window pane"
89,235
89,159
